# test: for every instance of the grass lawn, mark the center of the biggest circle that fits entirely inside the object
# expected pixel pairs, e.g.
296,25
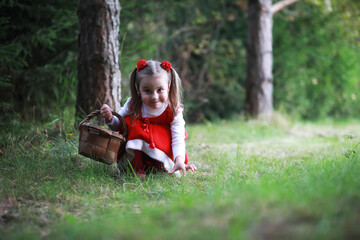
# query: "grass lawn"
285,180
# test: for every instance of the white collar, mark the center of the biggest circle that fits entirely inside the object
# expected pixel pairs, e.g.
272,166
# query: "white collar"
148,112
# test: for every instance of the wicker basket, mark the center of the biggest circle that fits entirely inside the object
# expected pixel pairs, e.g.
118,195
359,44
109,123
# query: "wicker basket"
101,144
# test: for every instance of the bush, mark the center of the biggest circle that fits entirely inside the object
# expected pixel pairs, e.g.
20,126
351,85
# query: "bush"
39,57
316,62
316,56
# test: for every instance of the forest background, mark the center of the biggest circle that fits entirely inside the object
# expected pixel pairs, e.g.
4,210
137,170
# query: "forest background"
294,178
316,56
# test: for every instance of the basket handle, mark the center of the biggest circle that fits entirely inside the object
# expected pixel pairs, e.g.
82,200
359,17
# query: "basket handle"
97,112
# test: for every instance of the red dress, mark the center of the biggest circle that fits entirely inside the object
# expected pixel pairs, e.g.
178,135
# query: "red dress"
149,142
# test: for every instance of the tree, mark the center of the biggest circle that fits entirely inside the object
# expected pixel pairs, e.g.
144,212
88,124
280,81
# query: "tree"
38,59
259,89
99,74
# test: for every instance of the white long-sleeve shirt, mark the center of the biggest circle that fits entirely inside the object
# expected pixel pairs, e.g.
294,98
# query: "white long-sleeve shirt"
177,126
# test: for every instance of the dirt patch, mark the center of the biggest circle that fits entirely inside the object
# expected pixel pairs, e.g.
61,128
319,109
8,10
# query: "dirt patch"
340,132
8,210
299,226
39,215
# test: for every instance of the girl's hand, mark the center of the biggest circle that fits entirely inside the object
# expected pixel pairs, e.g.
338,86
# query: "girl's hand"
106,112
180,165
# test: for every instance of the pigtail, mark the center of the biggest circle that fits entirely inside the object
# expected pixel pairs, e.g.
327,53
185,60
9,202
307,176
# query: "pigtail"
135,102
175,92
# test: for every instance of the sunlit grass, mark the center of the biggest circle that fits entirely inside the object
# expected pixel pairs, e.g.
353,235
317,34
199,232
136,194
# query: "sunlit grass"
254,181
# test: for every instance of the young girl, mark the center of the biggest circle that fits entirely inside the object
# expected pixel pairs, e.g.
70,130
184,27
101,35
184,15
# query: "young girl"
154,117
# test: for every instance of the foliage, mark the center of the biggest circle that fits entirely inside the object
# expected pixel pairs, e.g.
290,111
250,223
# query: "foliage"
38,60
316,68
259,181
206,43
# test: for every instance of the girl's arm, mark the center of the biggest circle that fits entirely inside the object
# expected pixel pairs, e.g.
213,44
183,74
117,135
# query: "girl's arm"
177,127
178,144
114,123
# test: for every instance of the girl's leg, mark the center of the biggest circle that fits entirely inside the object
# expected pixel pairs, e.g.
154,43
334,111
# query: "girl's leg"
152,165
137,163
143,164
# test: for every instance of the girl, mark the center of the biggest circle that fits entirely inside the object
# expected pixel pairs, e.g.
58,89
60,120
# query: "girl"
154,117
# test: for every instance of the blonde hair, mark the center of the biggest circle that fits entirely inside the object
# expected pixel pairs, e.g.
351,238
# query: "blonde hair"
153,68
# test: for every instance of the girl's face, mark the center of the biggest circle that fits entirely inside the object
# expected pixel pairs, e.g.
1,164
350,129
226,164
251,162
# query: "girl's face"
154,91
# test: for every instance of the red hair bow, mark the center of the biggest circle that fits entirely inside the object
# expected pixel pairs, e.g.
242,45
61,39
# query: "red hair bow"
166,65
141,64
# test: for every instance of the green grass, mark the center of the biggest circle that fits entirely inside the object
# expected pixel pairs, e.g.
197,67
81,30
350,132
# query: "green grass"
285,180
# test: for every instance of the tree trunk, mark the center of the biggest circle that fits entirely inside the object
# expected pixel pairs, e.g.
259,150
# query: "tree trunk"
99,74
259,87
